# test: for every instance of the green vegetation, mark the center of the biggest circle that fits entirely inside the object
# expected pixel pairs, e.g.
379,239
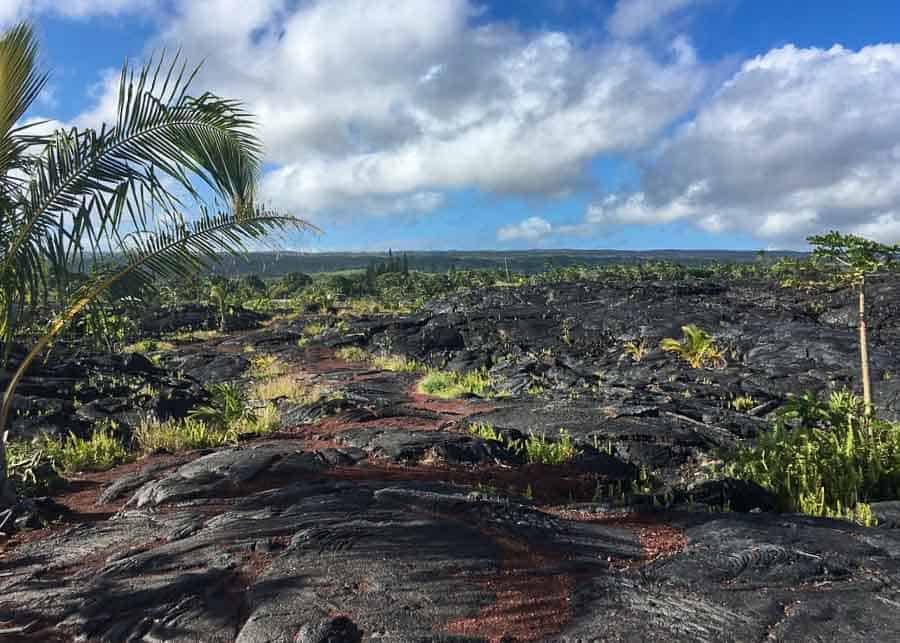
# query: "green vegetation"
845,260
636,350
101,451
697,348
180,435
744,403
31,468
148,346
353,354
227,407
538,449
68,195
535,448
396,363
449,385
825,458
485,431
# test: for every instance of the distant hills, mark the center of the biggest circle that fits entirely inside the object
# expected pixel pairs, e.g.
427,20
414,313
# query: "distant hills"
522,261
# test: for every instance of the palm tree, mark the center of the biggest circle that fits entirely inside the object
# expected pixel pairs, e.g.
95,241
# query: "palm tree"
696,347
114,199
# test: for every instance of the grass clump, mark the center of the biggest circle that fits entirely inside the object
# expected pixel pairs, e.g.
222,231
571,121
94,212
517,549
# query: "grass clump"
535,448
149,346
180,435
32,469
287,387
266,366
744,403
637,351
101,451
396,363
353,354
696,347
485,431
449,385
538,449
825,458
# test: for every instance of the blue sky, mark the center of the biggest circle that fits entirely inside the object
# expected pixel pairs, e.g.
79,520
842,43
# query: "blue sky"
457,124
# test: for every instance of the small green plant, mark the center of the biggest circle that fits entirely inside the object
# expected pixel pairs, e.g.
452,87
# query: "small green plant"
99,452
396,363
265,365
538,449
744,403
149,346
353,354
450,385
31,467
637,351
696,347
485,431
825,458
227,406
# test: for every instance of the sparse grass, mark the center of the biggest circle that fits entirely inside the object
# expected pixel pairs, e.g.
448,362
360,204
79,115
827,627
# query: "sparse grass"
396,363
744,403
353,354
449,385
287,387
149,346
99,452
696,347
265,365
187,336
538,449
180,435
485,431
191,433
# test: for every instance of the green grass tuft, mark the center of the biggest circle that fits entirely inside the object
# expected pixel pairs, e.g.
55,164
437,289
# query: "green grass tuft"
449,385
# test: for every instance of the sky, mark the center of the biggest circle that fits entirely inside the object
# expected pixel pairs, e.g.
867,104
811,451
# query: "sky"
515,124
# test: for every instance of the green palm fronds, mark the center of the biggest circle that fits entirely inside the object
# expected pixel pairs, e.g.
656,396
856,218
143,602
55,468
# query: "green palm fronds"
126,200
696,347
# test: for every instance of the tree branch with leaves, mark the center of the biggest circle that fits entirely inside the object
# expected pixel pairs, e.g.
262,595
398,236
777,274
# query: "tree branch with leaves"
847,260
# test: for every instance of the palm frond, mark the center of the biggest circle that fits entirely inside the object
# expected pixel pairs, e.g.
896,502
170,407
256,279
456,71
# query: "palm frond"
177,251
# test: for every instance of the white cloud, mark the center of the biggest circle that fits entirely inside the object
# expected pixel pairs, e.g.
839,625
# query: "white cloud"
15,10
365,103
798,141
632,17
531,229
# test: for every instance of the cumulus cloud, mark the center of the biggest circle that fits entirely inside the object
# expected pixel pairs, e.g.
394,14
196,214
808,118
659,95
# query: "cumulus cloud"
365,103
798,141
632,17
531,229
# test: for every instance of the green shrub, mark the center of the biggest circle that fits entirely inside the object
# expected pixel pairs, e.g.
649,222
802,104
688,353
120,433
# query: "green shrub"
696,347
825,458
449,385
99,452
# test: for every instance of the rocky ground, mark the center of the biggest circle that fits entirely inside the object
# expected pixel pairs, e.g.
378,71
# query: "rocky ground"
378,516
